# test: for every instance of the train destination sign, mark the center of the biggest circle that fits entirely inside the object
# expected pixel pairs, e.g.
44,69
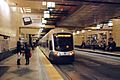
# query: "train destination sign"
59,35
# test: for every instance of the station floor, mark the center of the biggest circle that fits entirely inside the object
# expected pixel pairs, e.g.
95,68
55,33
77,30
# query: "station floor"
38,69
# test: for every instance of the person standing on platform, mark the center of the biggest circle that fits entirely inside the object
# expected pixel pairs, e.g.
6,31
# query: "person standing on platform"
83,45
93,43
111,45
27,53
102,44
18,51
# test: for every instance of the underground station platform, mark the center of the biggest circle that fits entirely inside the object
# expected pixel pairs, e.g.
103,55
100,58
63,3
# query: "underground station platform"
39,68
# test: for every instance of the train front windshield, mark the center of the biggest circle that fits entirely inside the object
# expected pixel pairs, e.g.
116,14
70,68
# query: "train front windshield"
63,41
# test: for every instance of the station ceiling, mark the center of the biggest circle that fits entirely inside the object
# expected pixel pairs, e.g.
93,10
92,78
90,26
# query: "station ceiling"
75,13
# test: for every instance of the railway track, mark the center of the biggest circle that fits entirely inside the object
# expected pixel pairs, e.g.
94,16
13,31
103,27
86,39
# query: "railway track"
91,68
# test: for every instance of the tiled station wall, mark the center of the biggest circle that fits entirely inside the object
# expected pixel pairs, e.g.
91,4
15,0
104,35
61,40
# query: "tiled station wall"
115,34
78,38
9,23
116,31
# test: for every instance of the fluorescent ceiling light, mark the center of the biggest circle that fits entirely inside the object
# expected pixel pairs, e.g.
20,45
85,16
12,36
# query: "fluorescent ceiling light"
62,30
44,3
98,26
74,33
46,14
44,21
110,23
89,30
50,4
78,32
83,31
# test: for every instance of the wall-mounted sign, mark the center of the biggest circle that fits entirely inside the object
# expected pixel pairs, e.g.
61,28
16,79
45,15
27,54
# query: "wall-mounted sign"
27,20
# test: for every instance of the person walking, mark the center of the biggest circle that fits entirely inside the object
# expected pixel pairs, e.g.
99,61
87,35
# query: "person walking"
18,52
27,53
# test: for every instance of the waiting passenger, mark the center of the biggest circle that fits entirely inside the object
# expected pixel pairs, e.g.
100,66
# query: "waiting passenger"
93,44
111,45
27,53
87,44
83,44
18,51
103,44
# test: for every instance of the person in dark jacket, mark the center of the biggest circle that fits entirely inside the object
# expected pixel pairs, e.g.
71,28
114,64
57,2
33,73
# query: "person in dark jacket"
18,52
111,45
83,45
27,53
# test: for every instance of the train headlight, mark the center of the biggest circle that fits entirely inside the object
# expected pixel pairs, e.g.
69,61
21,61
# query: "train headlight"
58,54
72,53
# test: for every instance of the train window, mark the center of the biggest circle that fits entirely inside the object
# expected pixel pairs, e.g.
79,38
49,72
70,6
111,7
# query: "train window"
63,42
50,45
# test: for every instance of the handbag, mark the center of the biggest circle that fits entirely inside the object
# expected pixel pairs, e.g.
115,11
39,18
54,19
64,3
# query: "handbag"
19,55
30,54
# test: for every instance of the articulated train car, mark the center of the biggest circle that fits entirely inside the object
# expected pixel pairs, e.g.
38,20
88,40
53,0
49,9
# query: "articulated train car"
58,45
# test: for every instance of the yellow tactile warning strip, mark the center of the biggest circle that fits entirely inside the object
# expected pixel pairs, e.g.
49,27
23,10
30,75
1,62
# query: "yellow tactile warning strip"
49,71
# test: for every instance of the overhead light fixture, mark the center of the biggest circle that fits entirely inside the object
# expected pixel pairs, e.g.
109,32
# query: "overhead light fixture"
51,9
98,26
50,4
46,14
74,33
78,32
44,3
89,30
62,30
83,31
110,23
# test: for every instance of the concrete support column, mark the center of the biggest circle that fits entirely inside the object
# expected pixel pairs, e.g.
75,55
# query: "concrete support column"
116,31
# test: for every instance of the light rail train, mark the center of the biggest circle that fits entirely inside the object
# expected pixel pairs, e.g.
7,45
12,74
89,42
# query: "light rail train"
58,45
